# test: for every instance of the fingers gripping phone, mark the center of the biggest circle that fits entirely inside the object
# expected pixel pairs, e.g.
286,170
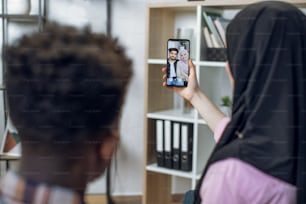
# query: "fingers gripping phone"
178,51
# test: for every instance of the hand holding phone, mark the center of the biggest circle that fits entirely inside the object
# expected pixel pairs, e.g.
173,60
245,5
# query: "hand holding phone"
178,51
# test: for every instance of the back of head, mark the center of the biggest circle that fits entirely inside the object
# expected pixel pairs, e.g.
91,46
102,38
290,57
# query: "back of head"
65,84
264,33
266,54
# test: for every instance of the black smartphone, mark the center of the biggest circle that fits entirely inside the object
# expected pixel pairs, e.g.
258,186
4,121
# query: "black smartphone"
178,51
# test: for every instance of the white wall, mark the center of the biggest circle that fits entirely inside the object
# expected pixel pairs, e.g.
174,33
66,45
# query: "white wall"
129,26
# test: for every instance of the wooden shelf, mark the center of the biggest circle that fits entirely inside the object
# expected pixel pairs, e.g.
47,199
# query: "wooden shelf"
176,115
173,115
212,64
22,18
10,156
157,61
7,158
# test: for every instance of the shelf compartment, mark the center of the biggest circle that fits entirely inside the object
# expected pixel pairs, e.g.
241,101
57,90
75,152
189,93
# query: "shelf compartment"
172,172
163,24
215,83
158,97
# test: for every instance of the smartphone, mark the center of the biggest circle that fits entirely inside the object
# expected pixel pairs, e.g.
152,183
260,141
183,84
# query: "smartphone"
178,55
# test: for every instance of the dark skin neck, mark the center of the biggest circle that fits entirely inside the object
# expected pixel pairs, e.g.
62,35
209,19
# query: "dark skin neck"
72,170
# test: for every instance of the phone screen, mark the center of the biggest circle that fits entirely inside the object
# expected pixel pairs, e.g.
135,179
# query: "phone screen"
178,51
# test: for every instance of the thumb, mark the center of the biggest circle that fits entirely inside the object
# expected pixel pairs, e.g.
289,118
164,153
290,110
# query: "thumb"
191,68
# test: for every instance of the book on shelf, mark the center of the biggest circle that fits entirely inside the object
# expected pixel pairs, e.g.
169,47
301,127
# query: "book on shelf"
221,25
207,37
224,21
215,43
216,26
208,21
220,30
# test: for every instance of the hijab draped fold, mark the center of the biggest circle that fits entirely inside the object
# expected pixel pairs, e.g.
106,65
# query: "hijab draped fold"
266,45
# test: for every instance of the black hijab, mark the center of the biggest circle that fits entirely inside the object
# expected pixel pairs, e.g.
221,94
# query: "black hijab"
267,55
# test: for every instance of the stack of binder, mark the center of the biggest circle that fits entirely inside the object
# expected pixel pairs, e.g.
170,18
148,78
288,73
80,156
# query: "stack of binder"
174,141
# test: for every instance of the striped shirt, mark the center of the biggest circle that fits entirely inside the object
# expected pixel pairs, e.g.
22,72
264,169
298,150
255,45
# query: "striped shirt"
16,190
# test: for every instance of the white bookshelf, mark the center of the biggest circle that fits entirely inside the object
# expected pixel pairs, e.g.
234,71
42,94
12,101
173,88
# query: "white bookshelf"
154,168
163,20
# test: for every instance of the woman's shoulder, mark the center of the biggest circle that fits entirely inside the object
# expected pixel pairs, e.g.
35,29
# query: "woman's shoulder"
247,183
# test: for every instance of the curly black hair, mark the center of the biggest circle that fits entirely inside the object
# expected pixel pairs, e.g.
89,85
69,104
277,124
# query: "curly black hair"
65,84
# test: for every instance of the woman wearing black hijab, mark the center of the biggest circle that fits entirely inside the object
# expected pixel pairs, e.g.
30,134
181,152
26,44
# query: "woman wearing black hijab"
260,155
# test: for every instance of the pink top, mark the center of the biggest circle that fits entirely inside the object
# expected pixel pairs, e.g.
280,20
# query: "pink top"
233,181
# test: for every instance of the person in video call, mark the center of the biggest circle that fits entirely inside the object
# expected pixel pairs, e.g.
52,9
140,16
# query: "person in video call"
182,64
65,89
260,152
173,71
